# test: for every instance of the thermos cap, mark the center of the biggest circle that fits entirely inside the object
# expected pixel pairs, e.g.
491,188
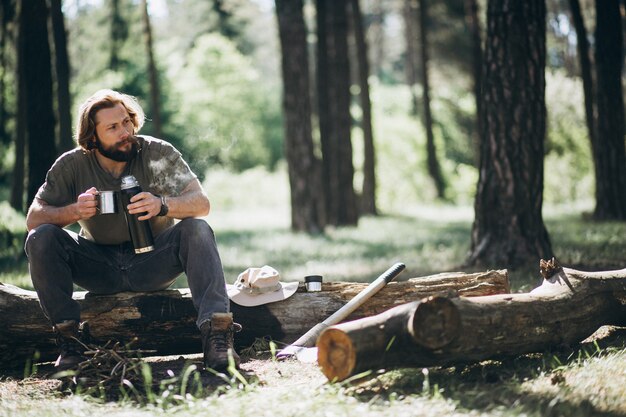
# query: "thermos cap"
129,181
313,278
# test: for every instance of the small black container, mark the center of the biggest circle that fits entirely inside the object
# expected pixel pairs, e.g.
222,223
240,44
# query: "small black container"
140,230
313,283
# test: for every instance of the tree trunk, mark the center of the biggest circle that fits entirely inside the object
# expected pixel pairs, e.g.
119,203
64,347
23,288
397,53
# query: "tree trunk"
62,72
19,168
165,320
155,101
323,99
37,73
508,228
368,196
434,169
4,137
439,331
473,24
62,76
305,175
610,152
337,145
119,33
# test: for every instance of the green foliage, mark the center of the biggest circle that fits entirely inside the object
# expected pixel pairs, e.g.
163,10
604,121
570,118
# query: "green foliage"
401,149
224,107
401,146
12,232
568,163
13,268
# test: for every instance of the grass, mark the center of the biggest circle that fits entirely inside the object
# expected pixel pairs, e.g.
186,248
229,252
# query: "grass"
584,380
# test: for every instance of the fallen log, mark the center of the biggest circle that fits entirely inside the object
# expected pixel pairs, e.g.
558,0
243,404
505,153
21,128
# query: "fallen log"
436,331
164,321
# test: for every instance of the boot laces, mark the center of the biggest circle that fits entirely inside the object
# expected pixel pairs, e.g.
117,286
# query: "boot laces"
222,340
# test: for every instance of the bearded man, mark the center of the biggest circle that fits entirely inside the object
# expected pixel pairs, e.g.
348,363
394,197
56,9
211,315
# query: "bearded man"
101,258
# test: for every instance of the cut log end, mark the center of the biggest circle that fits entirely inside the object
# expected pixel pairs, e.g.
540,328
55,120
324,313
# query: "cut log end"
335,354
435,322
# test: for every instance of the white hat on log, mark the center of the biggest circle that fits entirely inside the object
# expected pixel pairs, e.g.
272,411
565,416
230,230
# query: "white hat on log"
256,286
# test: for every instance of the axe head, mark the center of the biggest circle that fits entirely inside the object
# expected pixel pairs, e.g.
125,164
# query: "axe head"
301,353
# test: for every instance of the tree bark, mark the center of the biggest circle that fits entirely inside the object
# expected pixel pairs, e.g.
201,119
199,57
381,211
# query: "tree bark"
118,33
337,144
305,173
323,99
434,169
155,96
37,71
62,72
368,195
610,150
19,168
165,320
508,229
439,331
4,13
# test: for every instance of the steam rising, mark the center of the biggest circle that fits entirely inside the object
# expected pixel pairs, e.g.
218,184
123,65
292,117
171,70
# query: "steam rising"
170,178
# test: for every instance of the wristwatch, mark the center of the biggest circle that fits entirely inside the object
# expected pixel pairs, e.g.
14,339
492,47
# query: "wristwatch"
164,207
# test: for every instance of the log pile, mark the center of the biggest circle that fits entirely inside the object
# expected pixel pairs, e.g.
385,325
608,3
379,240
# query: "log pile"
164,321
567,308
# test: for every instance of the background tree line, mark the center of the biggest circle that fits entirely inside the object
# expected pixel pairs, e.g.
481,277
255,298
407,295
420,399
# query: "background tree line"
475,76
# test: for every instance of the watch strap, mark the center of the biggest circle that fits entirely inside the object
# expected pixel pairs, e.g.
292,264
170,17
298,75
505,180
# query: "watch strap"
164,207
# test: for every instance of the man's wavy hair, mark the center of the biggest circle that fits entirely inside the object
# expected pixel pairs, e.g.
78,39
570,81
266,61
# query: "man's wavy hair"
104,99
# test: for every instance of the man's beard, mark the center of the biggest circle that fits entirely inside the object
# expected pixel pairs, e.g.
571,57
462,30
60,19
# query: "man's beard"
116,154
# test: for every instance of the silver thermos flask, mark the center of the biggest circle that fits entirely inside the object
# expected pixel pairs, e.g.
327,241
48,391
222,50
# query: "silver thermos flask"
140,230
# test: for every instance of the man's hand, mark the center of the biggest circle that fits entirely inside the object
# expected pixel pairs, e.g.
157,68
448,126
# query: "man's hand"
86,205
40,212
145,204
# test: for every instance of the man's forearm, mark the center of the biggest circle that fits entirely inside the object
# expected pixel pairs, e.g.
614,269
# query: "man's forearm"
39,214
190,204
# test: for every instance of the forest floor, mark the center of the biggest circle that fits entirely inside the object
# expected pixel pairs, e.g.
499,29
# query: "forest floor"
586,380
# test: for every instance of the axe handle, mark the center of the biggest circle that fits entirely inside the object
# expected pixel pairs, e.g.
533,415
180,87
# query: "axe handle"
309,338
365,294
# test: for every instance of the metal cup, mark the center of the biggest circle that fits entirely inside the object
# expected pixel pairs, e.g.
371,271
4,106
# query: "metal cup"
107,202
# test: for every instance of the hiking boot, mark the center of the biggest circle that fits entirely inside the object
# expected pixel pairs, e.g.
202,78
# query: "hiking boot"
68,339
217,341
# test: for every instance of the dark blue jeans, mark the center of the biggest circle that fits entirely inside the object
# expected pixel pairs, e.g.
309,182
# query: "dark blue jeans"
59,258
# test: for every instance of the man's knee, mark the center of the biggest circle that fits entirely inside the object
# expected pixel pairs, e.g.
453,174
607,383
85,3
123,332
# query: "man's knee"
196,231
43,237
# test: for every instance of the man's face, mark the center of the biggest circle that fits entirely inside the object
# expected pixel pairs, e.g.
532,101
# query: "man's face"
114,134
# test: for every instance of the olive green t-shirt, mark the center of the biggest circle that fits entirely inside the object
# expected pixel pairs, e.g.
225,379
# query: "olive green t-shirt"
158,167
